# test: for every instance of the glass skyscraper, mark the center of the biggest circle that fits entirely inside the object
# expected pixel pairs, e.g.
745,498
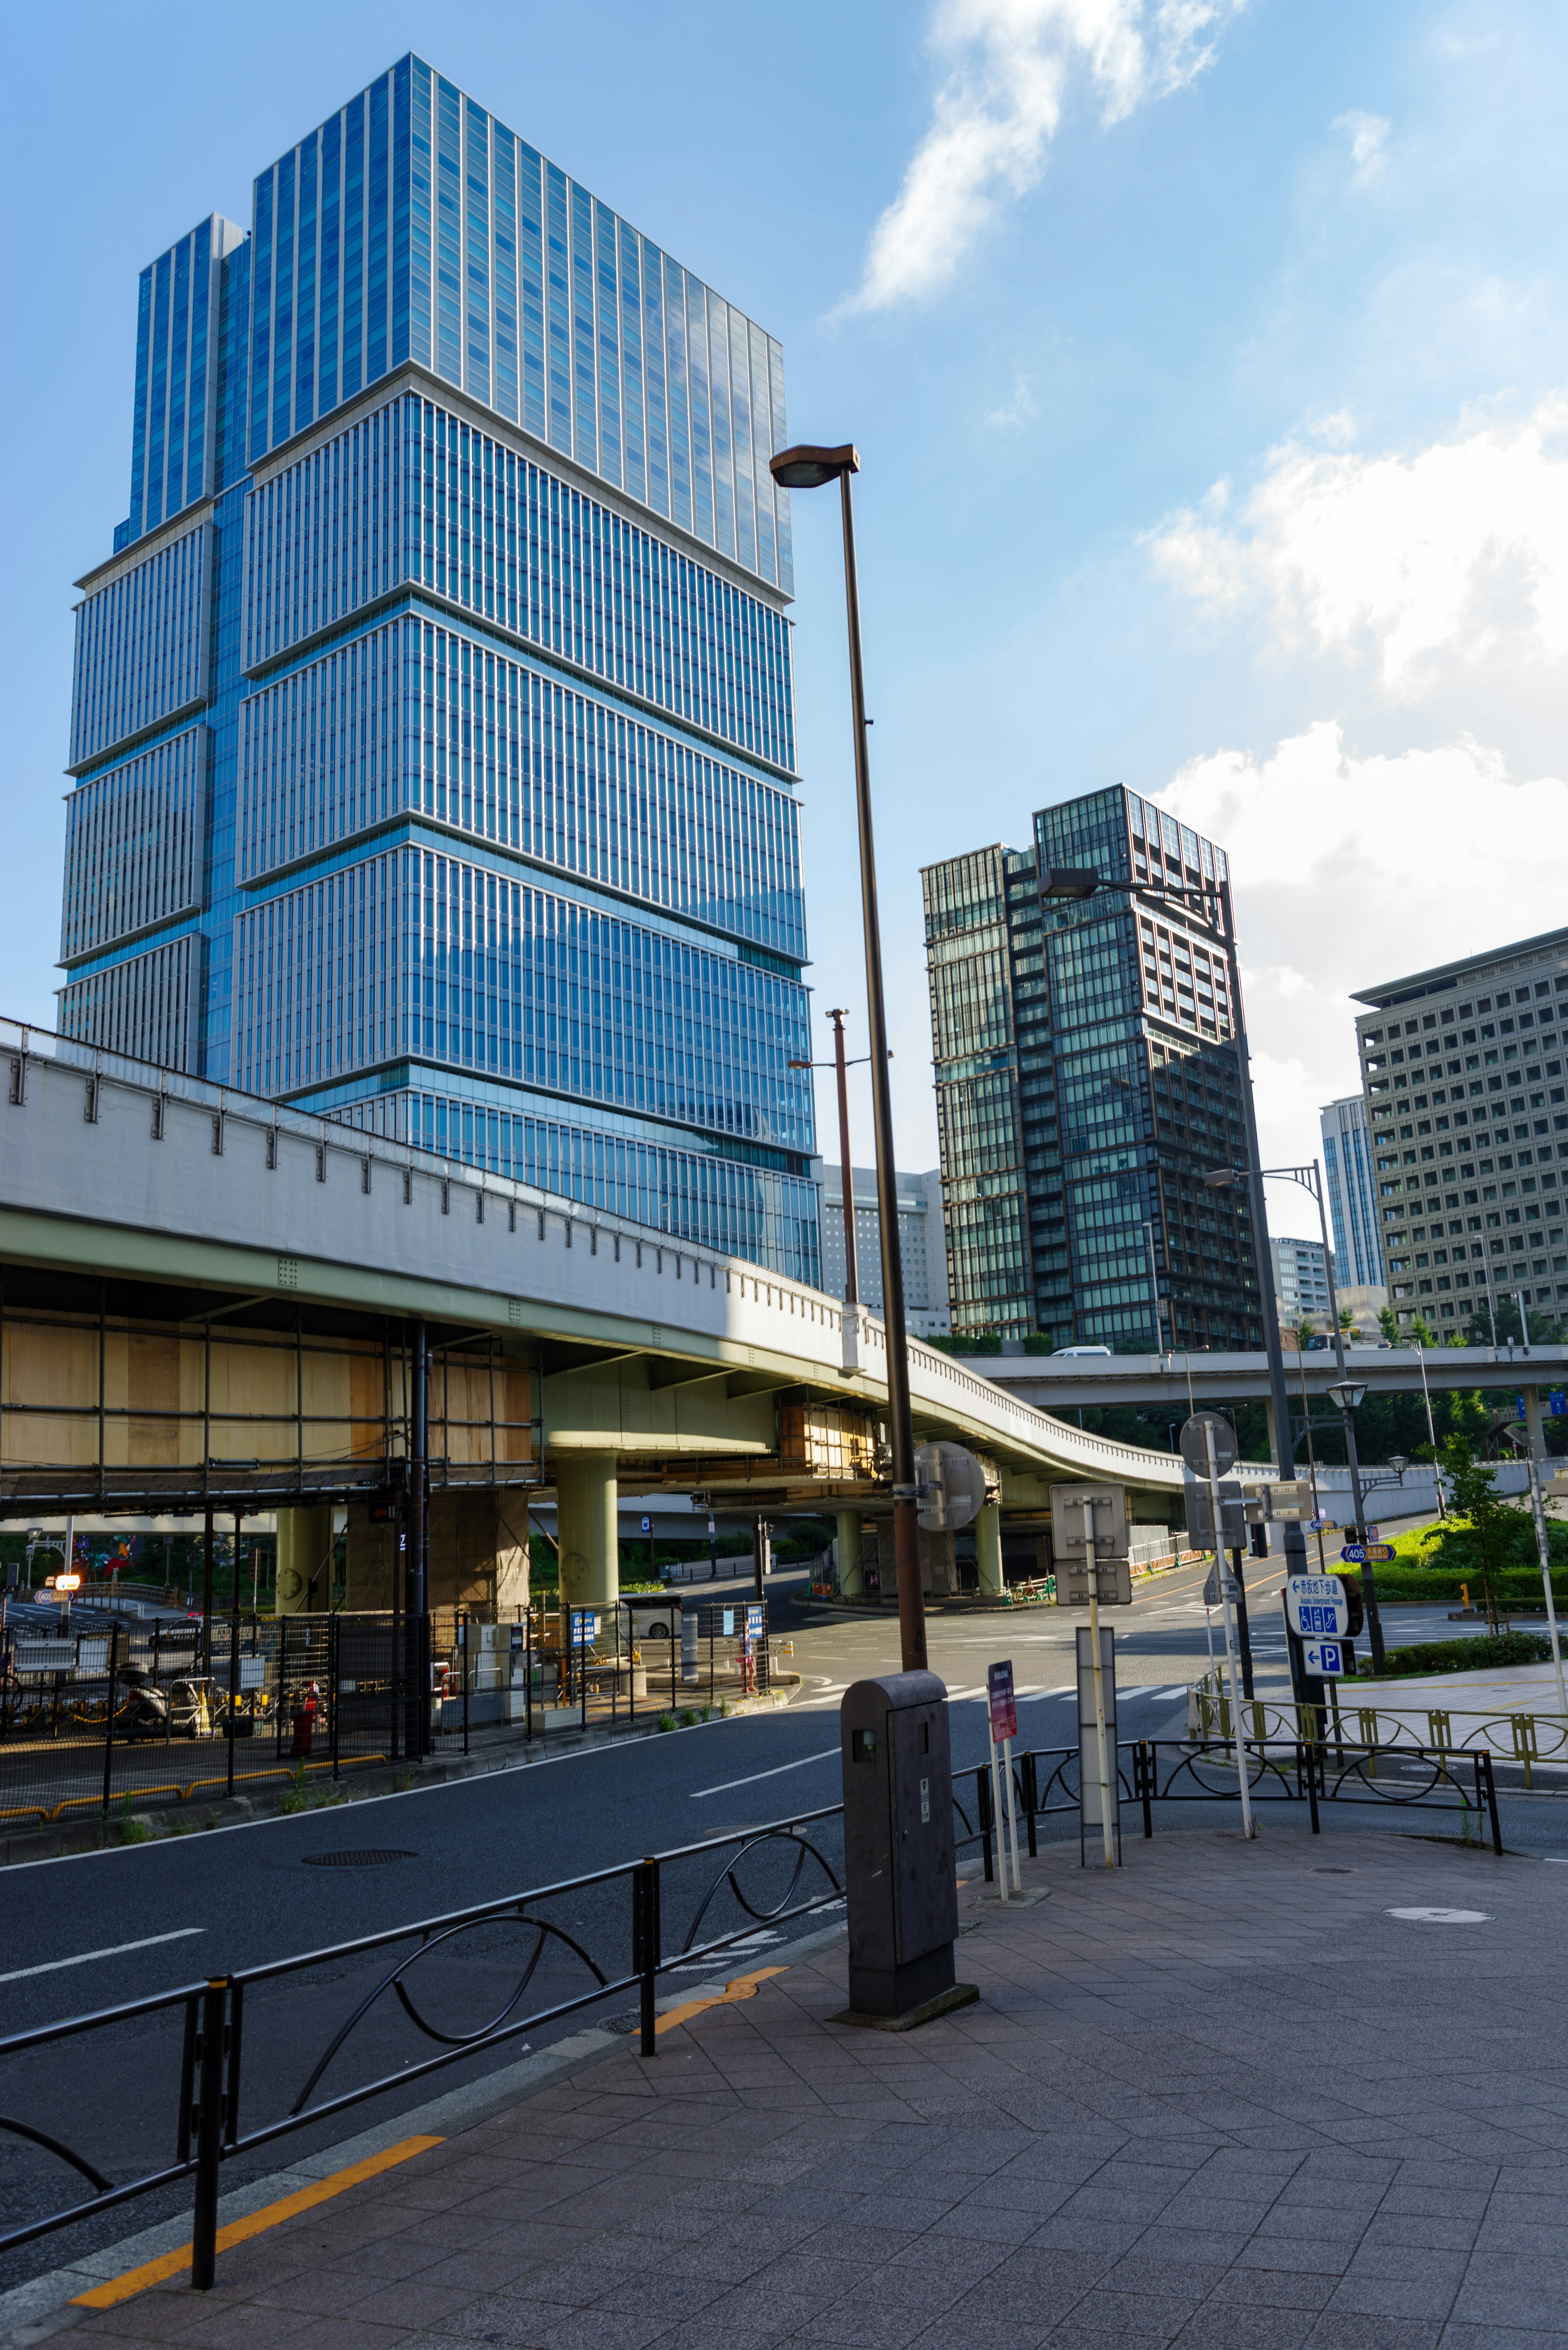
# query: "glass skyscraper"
1351,1199
432,731
1086,1082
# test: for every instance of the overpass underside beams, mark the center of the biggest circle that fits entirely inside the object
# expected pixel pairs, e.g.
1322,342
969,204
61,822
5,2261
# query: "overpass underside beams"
107,1402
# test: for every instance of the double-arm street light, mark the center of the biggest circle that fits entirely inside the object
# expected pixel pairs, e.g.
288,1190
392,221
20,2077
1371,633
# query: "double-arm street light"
1347,1394
1210,900
838,1062
811,468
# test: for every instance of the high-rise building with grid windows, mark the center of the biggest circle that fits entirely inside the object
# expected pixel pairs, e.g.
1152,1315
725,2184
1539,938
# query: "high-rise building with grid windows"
432,734
1465,1077
1085,1083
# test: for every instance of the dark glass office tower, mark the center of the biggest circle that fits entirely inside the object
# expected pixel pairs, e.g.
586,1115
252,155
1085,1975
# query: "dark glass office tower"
1085,1083
433,725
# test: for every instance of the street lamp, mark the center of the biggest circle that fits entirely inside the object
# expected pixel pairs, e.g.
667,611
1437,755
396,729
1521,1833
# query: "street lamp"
812,468
1211,899
851,1279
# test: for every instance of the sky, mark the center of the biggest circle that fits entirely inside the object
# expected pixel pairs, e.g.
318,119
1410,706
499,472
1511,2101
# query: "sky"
1207,360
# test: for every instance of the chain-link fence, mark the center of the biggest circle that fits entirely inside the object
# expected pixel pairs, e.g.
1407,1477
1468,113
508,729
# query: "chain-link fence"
123,1716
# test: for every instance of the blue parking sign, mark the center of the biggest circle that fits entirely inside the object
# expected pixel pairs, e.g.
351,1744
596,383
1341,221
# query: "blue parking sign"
1325,1660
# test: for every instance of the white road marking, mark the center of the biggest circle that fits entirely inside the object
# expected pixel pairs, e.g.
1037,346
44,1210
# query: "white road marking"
86,1958
697,1792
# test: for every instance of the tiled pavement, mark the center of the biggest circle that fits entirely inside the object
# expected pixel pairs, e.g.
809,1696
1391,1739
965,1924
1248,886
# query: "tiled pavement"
1218,2099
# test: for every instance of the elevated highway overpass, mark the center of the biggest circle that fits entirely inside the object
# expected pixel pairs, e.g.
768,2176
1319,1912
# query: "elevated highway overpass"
1058,1383
208,1301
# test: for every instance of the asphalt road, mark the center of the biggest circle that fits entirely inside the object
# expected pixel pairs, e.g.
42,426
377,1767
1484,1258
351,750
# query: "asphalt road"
217,1902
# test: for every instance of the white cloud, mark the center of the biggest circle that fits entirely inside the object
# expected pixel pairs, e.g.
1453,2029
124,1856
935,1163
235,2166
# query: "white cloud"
1456,555
1369,135
1350,870
1008,64
1019,410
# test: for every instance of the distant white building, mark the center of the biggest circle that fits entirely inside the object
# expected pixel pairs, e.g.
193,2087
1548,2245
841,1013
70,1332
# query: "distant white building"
1301,1270
922,1245
1352,1194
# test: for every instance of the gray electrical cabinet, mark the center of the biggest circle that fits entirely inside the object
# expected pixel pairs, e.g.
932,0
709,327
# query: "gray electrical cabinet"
898,1846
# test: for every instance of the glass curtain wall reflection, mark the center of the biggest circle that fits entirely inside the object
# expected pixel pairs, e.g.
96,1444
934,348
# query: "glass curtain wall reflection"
432,731
1086,1082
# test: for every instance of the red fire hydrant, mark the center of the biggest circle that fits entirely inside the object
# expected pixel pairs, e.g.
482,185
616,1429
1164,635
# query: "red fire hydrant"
304,1719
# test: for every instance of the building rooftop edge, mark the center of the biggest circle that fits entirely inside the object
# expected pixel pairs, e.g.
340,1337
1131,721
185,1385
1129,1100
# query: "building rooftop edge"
1375,997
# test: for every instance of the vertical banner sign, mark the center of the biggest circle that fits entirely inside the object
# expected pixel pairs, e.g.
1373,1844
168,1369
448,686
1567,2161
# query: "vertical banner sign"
1003,1707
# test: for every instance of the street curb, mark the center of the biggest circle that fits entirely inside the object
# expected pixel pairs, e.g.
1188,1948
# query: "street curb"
46,2304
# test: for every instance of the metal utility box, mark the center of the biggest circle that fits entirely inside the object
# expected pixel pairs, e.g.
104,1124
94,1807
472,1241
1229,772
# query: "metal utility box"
899,1856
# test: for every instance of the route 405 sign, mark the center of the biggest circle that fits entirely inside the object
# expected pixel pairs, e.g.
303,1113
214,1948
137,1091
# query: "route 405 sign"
1316,1607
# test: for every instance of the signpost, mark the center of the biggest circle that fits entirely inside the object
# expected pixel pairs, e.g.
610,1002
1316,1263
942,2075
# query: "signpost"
1208,1448
950,1486
1073,1509
1002,1723
1317,1623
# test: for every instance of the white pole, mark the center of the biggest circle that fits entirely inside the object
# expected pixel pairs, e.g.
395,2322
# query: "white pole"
1220,1572
1101,1757
996,1808
1543,1543
1011,1814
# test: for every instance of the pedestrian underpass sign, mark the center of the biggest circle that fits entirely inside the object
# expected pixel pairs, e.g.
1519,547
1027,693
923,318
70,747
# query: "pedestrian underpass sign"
1316,1607
1325,1660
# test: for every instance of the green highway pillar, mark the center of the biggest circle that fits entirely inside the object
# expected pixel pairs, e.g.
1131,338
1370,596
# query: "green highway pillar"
304,1582
1532,1423
987,1550
849,1540
586,1529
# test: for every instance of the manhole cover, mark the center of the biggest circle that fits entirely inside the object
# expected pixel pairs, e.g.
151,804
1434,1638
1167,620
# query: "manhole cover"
1442,1916
364,1859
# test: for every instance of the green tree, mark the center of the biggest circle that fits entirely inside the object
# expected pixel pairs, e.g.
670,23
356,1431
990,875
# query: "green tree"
1545,1329
1387,1324
1472,1489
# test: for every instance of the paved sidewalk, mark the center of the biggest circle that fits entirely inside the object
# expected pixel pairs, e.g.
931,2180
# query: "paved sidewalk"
1221,2098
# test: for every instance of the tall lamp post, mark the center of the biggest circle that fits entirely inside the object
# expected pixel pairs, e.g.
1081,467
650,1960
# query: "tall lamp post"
1310,1179
1211,901
838,1062
811,468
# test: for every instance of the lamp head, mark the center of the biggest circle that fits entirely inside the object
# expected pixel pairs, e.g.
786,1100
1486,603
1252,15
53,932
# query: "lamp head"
1347,1394
808,467
1069,881
800,1065
1220,1179
1400,1463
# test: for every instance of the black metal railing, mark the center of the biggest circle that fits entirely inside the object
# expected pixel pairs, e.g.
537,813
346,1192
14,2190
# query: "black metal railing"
767,1878
107,1715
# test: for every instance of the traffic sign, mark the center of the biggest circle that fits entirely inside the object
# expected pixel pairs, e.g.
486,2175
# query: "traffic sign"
1353,1554
1325,1525
1316,1607
1325,1660
1213,1586
950,1487
1195,1435
1379,1553
1003,1706
648,1525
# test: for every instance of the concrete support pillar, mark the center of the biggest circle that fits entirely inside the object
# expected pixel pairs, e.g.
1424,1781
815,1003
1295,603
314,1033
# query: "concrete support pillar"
988,1549
850,1540
1532,1423
586,1528
303,1561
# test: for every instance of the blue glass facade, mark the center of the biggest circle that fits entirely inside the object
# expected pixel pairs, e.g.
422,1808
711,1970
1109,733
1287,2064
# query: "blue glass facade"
1085,1081
432,724
1351,1192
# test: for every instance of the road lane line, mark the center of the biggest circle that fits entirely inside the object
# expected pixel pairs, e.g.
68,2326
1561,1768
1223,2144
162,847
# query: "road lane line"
697,1794
52,1966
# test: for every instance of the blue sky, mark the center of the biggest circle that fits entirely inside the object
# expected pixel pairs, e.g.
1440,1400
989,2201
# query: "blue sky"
1209,365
